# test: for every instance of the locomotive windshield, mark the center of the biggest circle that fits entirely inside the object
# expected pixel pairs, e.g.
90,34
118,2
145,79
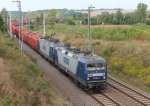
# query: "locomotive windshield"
95,66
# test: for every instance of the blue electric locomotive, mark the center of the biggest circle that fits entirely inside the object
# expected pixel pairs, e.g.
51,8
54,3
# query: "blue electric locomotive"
87,69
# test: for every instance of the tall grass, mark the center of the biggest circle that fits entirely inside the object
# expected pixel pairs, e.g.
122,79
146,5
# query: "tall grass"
128,61
27,78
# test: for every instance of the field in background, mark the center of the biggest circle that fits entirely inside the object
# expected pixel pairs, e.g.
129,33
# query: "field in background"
126,48
105,32
142,27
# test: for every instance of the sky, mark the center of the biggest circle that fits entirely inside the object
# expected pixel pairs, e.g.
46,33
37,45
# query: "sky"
33,5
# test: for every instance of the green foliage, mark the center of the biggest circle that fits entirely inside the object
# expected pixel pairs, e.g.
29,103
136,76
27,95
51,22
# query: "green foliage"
5,100
148,22
41,86
147,81
52,16
2,25
24,72
129,66
27,85
84,21
144,56
59,15
32,27
117,65
11,44
141,12
69,21
4,14
113,33
136,32
119,16
141,26
108,50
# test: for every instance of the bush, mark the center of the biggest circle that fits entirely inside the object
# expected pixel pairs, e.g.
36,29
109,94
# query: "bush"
144,55
40,86
148,22
69,22
147,81
117,65
5,100
108,50
130,66
11,44
21,67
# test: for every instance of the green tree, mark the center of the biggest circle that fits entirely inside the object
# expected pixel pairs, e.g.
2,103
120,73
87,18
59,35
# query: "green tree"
4,14
84,21
119,16
38,19
2,25
141,12
41,17
52,16
69,21
110,18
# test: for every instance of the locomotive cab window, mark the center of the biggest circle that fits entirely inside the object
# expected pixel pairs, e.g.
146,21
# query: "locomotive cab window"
91,66
100,66
96,66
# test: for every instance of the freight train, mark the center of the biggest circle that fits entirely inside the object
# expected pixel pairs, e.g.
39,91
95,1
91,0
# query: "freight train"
87,69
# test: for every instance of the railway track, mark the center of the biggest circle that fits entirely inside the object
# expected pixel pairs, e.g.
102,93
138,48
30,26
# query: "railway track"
119,94
130,92
104,100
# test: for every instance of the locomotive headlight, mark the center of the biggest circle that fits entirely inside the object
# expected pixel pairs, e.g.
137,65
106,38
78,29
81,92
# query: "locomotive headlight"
87,78
104,77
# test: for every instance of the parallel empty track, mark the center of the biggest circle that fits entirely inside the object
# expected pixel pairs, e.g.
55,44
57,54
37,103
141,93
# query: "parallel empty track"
118,94
104,100
130,92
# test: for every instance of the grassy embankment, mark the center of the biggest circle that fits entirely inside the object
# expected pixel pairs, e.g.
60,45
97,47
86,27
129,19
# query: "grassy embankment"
21,82
126,48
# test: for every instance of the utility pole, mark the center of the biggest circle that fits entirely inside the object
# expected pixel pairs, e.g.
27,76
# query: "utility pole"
21,33
29,19
7,20
7,23
19,7
89,42
43,24
10,24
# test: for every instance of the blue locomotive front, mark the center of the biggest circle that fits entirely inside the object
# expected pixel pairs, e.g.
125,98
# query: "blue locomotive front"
92,72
